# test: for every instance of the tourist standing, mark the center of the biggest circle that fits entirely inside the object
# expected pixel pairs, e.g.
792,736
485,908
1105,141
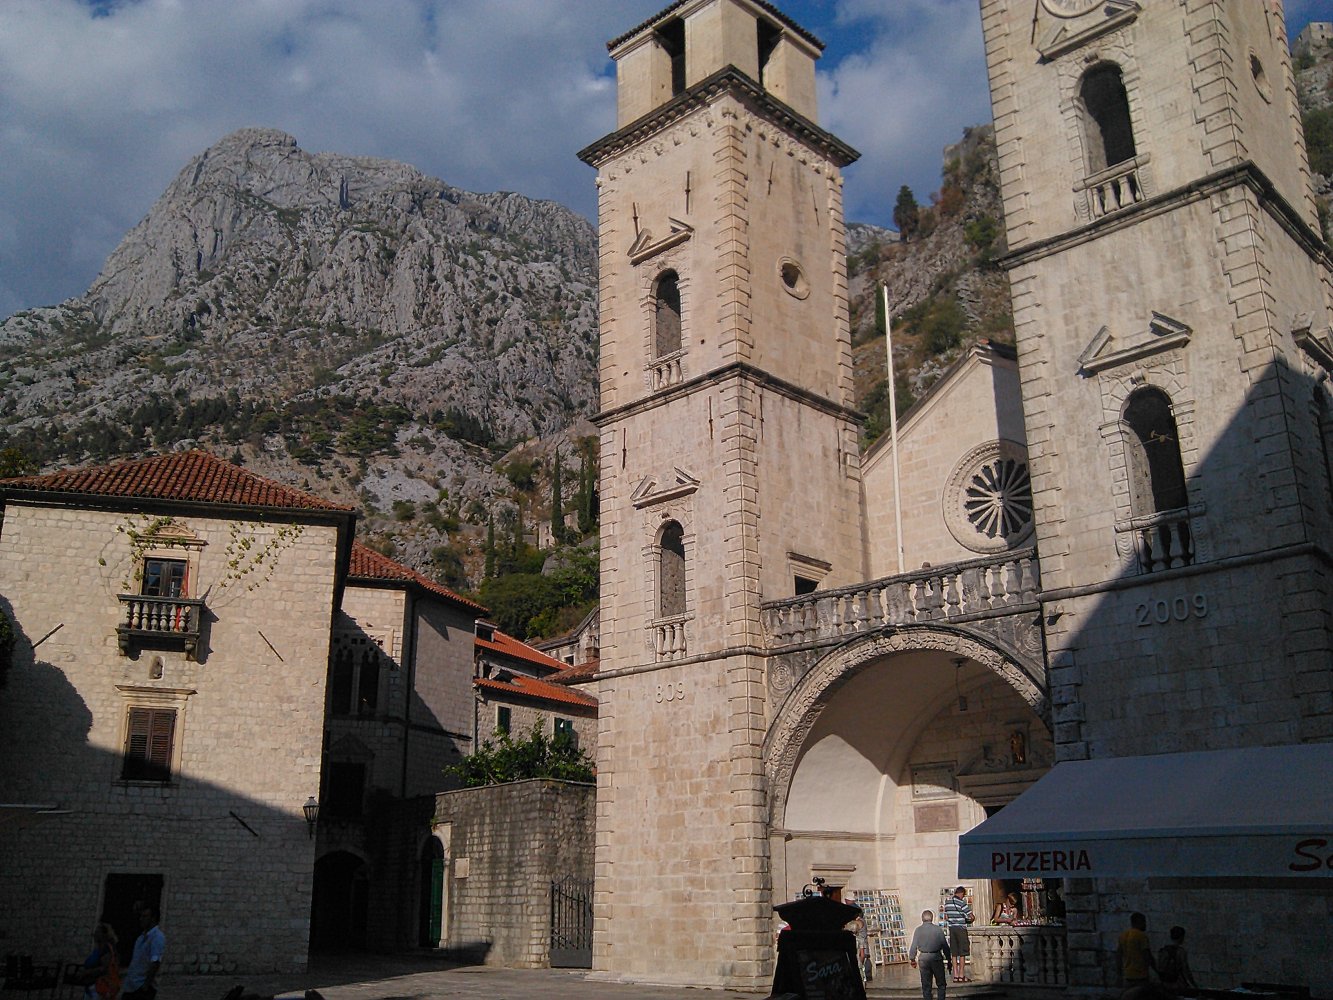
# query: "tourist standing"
140,981
957,914
929,945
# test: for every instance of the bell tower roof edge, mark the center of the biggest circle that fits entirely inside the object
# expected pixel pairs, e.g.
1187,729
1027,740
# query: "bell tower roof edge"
691,41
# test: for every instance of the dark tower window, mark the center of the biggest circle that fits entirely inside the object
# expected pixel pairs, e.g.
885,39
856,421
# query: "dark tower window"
1110,135
769,36
671,571
666,298
671,36
1152,446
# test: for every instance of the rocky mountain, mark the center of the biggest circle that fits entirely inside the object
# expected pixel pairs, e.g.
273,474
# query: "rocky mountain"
338,321
1314,88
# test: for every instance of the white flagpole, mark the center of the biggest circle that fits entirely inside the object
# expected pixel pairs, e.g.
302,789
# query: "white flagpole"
893,428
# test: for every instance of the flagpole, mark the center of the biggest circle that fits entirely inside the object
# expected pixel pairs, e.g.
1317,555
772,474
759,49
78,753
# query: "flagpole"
893,428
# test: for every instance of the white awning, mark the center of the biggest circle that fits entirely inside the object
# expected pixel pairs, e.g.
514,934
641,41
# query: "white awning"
1256,811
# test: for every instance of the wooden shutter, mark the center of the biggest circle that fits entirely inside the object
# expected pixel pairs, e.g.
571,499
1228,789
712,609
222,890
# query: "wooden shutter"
148,744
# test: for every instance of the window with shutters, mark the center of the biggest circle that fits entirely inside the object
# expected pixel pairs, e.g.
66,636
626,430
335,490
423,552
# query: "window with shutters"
564,731
504,719
149,744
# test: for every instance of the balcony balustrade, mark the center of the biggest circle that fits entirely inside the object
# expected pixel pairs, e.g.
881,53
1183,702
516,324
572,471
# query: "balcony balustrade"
669,641
153,620
667,371
1113,189
1163,541
1033,956
963,589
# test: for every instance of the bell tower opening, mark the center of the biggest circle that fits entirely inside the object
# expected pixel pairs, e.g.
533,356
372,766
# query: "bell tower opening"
671,37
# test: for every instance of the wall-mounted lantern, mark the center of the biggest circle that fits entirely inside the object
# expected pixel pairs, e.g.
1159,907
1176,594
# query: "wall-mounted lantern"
311,810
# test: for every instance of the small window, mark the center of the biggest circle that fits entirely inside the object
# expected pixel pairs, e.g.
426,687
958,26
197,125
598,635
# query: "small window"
768,37
666,299
344,792
1110,133
564,730
340,685
503,718
368,687
671,571
164,577
149,741
805,586
1156,474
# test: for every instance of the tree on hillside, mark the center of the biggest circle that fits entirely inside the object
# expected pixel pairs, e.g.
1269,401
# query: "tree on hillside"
15,462
557,502
907,213
538,756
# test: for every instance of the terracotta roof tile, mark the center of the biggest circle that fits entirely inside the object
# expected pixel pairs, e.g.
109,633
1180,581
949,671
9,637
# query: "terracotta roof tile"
367,564
507,645
187,476
530,687
578,672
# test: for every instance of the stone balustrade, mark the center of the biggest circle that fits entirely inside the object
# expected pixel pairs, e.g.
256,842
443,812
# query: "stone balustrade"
667,371
1163,541
956,590
669,640
1034,956
1114,189
174,618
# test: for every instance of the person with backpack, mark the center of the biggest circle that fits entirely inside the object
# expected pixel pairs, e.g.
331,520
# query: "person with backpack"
1173,964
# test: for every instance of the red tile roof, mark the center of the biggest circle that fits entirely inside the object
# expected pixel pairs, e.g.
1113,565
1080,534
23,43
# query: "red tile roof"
189,476
530,687
507,645
578,672
367,564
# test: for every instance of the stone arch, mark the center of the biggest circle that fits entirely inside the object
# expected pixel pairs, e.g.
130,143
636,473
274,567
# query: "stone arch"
800,711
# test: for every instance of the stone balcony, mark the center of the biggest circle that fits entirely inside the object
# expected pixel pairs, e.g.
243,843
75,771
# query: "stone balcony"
166,622
962,591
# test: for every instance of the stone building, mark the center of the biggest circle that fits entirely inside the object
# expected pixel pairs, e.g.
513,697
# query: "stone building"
166,705
856,659
399,711
517,687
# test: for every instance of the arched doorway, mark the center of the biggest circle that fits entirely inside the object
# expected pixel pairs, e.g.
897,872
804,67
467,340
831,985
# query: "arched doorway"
885,752
340,903
430,917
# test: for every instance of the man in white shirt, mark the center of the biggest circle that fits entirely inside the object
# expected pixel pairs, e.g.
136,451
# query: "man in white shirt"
140,982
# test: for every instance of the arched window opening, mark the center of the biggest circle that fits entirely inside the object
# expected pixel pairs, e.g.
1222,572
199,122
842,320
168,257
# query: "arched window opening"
666,298
769,37
1110,134
1156,474
671,571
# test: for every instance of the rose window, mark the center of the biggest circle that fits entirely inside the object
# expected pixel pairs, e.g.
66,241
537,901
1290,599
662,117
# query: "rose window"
988,500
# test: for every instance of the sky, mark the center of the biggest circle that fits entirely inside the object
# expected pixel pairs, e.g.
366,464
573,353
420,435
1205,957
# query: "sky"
102,102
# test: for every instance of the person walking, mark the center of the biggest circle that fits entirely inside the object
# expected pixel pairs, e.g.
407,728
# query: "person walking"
929,944
1134,953
958,914
1173,964
140,982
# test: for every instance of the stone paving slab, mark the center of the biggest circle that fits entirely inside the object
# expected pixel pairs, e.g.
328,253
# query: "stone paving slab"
411,979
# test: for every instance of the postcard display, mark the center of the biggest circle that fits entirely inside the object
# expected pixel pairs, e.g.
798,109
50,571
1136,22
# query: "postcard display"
886,935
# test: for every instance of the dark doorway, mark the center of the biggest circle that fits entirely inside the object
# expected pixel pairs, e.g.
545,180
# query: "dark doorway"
119,908
430,924
340,903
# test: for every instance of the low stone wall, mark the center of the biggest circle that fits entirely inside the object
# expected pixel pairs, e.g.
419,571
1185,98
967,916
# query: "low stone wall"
505,845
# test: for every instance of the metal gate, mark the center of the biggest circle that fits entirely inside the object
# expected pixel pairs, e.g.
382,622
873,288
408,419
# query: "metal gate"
571,923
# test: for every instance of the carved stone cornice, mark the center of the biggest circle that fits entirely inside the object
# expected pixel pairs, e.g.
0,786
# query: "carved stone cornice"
727,81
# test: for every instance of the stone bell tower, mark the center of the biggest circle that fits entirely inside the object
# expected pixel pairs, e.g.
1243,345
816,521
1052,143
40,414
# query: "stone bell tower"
730,470
1172,309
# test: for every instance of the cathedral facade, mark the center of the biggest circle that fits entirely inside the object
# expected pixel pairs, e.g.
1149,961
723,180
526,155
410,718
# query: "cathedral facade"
1109,542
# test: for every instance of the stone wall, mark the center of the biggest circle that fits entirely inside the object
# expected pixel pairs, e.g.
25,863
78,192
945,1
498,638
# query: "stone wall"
505,844
226,830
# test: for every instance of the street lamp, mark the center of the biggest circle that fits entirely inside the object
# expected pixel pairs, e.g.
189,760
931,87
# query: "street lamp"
311,810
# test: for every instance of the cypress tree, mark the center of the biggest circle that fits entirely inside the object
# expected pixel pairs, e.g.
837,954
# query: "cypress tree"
557,503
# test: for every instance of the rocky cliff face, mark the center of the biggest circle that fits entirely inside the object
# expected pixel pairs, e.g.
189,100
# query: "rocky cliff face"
332,319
